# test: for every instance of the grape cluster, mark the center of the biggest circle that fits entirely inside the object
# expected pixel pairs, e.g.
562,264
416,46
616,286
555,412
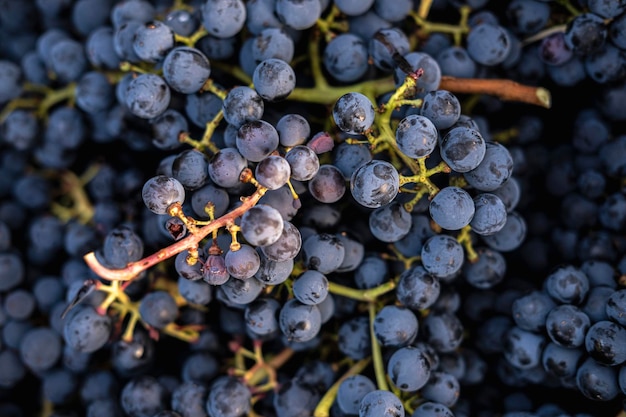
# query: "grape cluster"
296,208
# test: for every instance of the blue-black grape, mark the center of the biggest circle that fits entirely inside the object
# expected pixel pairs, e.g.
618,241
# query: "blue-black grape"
273,172
85,330
274,79
311,287
350,392
375,183
409,368
380,403
353,113
223,18
490,214
346,57
256,140
328,184
261,225
395,326
158,309
442,256
597,382
452,208
390,223
567,325
147,96
488,44
323,252
298,14
242,263
153,41
303,162
299,322
186,69
416,136
463,148
241,105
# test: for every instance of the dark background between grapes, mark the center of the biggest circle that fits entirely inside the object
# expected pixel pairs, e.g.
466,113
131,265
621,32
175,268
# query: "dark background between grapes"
558,128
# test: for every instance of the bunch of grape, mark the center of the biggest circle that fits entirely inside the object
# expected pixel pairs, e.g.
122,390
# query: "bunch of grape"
296,208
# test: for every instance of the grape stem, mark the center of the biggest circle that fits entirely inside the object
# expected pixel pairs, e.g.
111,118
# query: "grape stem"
323,407
134,268
504,89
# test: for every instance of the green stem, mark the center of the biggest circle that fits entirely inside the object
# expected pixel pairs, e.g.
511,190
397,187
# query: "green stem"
370,294
323,407
377,355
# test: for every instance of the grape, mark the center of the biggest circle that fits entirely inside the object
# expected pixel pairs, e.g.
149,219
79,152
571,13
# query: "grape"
143,396
261,316
604,341
353,8
463,148
493,170
85,330
186,69
298,14
417,289
272,272
443,331
295,399
225,167
597,382
353,113
94,93
286,247
190,169
166,129
452,208
488,44
323,252
40,349
153,41
274,79
431,77
311,288
409,368
345,58
303,162
273,42
147,96
442,256
348,157
262,225
256,140
416,136
242,263
490,214
379,403
522,348
158,309
239,292
273,172
586,34
384,44
328,184
299,322
567,325
390,223
395,326
486,272
442,108
160,192
293,129
223,18
242,105
375,184
456,62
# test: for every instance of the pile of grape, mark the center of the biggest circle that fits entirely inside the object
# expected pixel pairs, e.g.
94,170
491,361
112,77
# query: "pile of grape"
312,208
